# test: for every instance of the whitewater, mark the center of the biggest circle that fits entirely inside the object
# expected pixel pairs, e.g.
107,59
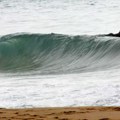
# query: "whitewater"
54,54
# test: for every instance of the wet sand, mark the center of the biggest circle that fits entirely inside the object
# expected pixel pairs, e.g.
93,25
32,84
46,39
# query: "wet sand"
70,113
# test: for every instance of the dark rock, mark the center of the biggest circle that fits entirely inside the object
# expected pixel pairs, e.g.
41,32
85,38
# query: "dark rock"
114,35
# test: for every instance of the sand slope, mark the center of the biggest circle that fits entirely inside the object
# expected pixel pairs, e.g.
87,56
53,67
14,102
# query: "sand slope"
78,113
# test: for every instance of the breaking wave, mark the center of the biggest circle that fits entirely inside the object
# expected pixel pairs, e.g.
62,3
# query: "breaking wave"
57,53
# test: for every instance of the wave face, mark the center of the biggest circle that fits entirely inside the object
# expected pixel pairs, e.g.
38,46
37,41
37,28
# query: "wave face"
56,53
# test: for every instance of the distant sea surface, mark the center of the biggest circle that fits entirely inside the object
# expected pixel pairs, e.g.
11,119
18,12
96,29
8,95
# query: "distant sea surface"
52,53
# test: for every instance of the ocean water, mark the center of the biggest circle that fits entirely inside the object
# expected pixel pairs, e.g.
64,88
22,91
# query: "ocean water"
53,53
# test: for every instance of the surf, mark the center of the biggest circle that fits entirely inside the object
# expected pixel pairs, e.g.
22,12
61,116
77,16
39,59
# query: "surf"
58,53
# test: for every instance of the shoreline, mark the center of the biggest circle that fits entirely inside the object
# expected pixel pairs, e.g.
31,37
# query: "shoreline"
61,113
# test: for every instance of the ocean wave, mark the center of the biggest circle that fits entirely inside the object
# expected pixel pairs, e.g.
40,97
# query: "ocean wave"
57,53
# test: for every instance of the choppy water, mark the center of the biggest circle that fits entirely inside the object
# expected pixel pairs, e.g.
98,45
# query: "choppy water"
48,56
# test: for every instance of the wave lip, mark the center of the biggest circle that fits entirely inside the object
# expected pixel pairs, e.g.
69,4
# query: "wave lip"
57,53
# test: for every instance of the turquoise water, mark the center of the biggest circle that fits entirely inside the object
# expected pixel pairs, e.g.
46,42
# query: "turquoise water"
52,51
58,53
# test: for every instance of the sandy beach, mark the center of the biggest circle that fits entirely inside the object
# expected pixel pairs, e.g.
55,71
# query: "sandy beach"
70,113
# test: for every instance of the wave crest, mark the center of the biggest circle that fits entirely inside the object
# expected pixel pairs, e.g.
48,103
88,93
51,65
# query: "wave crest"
56,53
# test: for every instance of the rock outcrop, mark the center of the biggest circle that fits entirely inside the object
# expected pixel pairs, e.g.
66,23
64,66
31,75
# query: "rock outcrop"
114,35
